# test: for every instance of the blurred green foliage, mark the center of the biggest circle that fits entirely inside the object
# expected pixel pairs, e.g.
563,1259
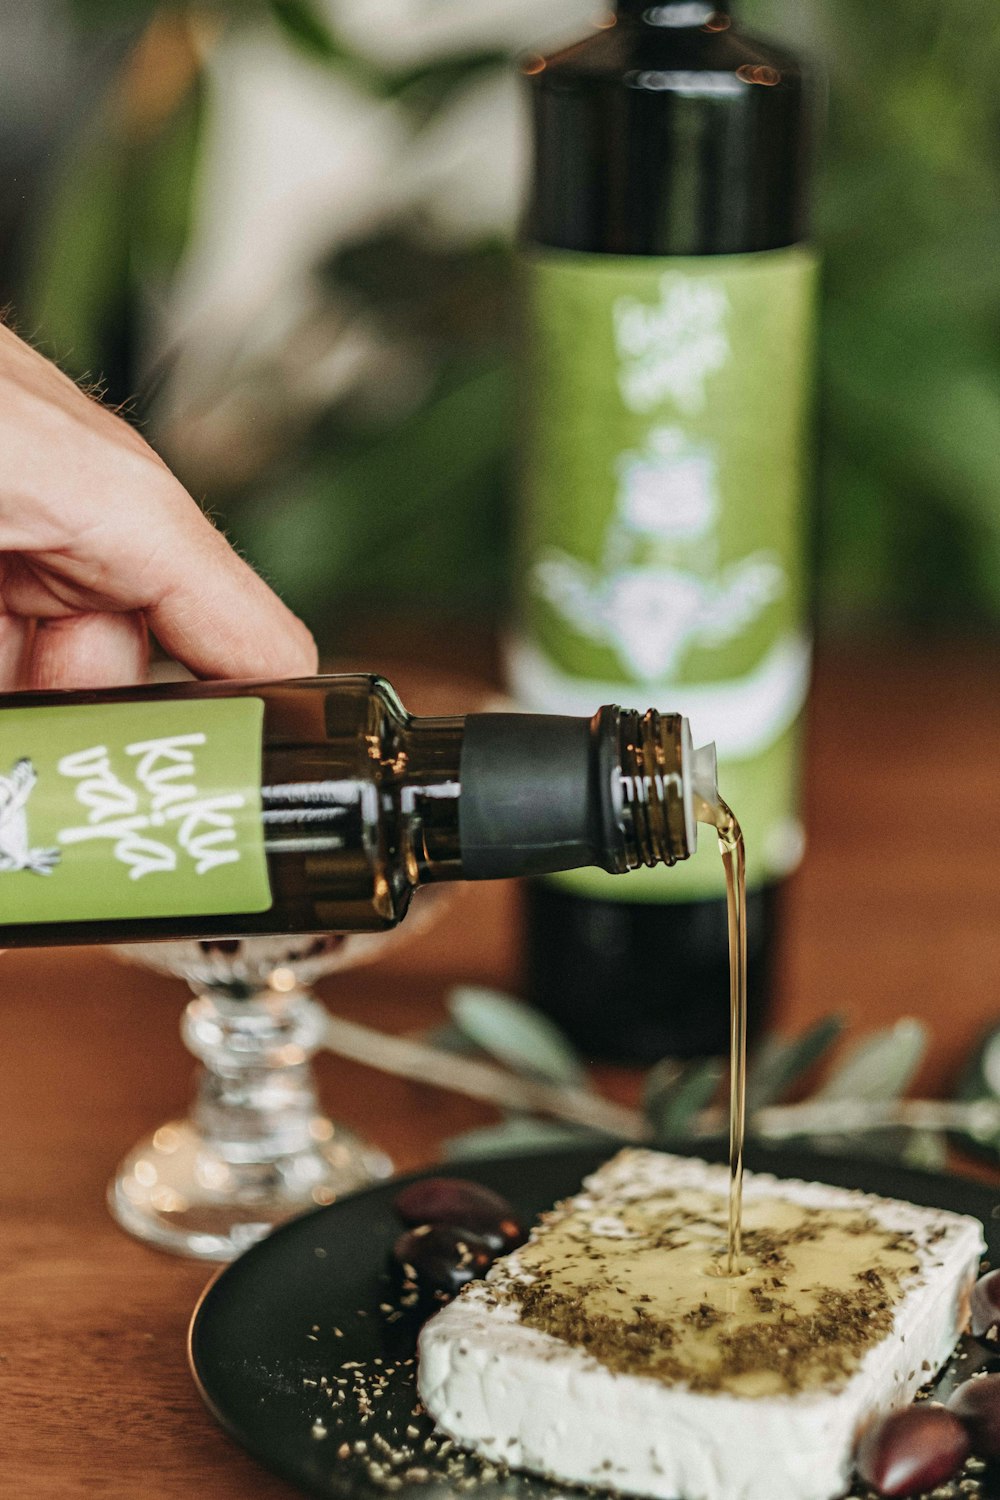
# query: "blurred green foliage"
117,218
908,214
412,504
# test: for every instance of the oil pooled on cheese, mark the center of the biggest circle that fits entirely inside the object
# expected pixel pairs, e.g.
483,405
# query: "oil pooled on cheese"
639,1287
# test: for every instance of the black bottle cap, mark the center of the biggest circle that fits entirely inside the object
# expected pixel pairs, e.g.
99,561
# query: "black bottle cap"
533,795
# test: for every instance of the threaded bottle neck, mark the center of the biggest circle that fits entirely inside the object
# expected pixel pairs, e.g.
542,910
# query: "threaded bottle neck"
653,756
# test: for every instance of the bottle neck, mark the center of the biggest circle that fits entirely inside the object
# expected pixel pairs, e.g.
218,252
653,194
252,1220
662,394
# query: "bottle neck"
427,774
541,793
674,14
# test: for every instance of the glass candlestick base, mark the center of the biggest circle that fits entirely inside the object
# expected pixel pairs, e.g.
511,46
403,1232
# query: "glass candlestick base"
256,1148
175,1190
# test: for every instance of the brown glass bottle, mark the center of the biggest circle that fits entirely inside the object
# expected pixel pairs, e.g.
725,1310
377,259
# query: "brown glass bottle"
668,133
119,811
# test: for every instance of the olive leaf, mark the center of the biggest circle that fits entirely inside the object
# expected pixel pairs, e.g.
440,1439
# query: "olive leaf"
515,1034
779,1063
451,1038
659,1083
923,1149
879,1067
109,237
980,1084
438,296
303,25
423,90
676,1092
520,1133
315,530
926,1149
426,92
77,282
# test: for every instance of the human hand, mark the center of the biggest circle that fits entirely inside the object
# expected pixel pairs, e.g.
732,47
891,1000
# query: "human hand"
99,541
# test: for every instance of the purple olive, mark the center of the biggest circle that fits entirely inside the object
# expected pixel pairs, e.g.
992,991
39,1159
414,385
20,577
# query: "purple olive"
435,1261
976,1404
986,1309
453,1200
913,1450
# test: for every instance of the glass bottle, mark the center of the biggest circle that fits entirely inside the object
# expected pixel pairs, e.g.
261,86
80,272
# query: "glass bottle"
201,809
668,298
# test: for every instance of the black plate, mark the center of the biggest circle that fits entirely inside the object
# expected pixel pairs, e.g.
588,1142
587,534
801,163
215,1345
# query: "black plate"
266,1324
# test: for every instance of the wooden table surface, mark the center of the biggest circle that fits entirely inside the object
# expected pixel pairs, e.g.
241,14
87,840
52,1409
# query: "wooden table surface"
894,912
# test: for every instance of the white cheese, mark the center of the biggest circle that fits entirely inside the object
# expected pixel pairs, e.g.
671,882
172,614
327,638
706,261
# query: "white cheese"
518,1394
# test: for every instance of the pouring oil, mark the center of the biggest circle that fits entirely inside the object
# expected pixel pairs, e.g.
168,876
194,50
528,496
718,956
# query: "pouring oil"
733,853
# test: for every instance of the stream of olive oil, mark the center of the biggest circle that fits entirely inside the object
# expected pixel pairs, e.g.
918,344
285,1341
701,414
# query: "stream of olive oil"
734,862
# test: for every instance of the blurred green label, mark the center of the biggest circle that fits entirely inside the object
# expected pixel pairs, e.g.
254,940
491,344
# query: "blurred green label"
663,528
118,810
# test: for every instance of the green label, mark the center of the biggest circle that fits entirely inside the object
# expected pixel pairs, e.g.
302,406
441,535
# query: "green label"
122,810
664,527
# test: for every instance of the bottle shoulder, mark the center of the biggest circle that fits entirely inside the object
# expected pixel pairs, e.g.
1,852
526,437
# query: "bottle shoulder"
630,46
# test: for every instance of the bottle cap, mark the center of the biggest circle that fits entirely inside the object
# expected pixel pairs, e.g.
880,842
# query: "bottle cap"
701,781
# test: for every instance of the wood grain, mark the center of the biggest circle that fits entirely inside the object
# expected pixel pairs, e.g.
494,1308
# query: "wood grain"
893,912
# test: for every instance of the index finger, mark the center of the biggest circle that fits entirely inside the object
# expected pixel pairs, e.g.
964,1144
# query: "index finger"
218,618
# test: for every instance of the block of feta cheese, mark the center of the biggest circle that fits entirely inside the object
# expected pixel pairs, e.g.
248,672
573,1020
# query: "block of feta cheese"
613,1350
